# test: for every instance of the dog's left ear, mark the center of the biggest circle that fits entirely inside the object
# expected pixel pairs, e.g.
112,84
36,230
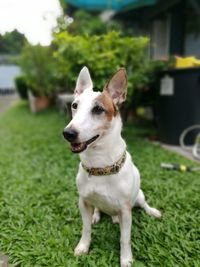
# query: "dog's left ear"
84,81
117,86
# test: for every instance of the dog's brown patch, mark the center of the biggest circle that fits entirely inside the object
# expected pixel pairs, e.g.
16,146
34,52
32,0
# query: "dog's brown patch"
110,109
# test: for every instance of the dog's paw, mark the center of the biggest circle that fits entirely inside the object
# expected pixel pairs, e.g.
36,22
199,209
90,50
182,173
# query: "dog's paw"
126,262
115,219
96,217
155,213
81,249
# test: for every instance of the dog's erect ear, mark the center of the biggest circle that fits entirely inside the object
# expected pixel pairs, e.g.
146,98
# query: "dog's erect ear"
117,86
84,81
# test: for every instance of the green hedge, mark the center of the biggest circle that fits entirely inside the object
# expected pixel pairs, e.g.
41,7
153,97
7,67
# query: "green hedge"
103,55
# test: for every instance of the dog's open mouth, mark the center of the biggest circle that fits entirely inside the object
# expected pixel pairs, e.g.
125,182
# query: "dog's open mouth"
80,147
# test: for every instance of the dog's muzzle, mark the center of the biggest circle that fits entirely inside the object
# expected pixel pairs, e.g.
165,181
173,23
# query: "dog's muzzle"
71,135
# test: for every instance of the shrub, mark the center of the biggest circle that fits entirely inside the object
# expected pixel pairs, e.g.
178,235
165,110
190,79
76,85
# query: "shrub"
21,86
38,69
87,23
103,55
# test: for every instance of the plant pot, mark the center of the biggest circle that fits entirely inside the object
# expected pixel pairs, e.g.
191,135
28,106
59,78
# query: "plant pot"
38,103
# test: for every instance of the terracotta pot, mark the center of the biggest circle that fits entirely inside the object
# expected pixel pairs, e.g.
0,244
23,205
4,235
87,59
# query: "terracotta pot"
38,103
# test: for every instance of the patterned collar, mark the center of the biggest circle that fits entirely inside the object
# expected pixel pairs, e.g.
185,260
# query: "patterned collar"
109,170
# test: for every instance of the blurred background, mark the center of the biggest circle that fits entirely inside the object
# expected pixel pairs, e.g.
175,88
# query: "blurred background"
44,44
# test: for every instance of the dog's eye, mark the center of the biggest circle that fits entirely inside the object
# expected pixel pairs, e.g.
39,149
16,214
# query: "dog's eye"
74,105
97,110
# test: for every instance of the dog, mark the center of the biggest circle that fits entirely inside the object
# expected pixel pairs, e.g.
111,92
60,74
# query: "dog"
107,179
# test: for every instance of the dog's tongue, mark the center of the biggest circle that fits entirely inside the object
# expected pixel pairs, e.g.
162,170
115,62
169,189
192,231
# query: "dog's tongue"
76,148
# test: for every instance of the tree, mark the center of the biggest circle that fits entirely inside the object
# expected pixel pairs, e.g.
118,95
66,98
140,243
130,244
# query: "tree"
12,42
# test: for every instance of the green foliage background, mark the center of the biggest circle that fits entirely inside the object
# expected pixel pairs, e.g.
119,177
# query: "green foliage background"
89,41
12,42
39,69
103,55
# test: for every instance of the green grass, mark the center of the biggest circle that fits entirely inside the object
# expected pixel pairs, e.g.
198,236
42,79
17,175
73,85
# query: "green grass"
40,222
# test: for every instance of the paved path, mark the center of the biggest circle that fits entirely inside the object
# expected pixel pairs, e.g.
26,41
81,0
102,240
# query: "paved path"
3,260
6,101
179,150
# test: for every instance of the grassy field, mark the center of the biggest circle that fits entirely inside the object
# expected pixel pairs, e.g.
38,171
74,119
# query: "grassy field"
40,222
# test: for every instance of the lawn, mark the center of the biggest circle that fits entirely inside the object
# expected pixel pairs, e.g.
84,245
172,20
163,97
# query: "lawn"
40,222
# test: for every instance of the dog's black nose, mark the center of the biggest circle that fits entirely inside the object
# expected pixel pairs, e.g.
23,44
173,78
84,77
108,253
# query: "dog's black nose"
70,134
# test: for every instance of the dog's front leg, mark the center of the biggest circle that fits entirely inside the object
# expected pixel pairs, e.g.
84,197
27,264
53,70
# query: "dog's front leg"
125,219
86,213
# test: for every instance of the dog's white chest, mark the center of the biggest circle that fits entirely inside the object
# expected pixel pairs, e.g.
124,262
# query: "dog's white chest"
110,193
100,194
106,202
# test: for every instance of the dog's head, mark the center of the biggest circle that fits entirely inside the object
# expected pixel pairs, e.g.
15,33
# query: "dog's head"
93,113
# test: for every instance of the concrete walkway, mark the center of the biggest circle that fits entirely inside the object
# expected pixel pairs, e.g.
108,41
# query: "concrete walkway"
6,101
3,260
180,151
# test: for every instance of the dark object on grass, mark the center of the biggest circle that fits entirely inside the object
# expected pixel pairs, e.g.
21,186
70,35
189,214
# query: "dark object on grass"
22,87
178,104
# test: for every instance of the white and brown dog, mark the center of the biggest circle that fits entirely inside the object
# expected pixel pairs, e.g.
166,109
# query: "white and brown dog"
107,179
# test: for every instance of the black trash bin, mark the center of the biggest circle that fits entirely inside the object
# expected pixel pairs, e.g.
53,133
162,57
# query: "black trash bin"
178,104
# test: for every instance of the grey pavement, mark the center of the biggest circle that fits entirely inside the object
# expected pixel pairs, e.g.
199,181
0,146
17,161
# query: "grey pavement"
3,260
180,151
6,101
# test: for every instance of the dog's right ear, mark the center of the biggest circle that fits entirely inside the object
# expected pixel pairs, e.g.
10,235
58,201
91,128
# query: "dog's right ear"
83,82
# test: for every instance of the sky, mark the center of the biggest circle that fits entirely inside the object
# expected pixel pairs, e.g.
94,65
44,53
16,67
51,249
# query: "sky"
34,18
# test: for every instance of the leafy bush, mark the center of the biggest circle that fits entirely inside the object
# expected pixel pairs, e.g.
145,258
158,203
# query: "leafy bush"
38,69
21,86
87,23
103,55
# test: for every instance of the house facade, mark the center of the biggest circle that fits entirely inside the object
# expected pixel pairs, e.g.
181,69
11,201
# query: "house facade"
173,27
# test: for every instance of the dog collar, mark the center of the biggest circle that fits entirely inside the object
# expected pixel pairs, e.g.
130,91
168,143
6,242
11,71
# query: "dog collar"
109,170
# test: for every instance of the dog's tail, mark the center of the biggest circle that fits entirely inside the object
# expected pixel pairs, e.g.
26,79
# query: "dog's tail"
141,202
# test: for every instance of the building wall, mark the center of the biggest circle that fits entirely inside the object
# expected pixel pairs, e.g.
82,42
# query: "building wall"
192,45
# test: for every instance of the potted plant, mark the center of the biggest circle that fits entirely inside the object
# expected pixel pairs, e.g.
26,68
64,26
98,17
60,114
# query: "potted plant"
37,66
